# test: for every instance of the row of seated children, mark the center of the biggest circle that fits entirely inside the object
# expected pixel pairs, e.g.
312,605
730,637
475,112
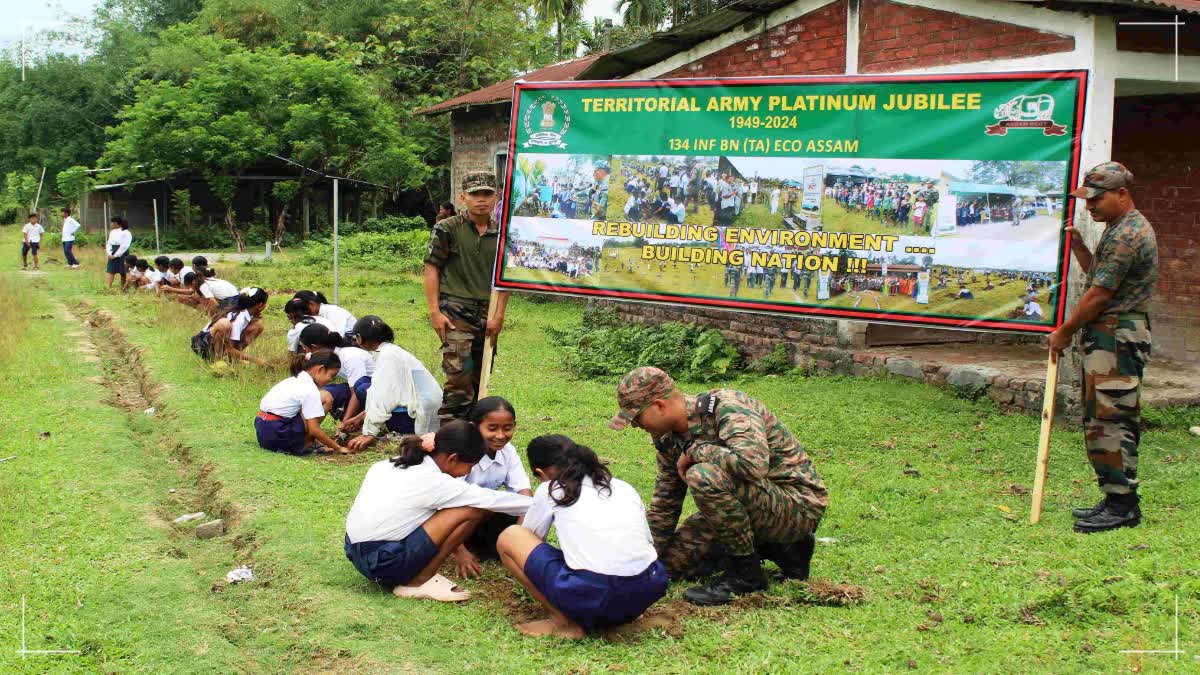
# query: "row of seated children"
413,512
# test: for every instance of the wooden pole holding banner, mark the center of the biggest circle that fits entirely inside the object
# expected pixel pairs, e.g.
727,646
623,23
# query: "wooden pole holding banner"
1043,456
488,347
38,198
157,247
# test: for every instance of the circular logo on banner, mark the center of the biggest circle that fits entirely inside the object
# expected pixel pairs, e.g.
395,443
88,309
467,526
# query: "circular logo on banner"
546,120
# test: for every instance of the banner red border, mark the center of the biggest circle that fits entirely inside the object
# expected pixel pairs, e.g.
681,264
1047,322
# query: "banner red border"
1080,76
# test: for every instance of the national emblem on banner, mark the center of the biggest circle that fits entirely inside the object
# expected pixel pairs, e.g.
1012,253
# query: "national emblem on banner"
553,122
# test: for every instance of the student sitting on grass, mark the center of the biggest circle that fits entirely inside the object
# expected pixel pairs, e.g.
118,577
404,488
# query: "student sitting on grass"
119,241
340,320
138,269
199,262
174,274
188,292
216,294
135,277
154,277
356,364
401,396
411,513
297,314
229,335
289,416
499,469
607,572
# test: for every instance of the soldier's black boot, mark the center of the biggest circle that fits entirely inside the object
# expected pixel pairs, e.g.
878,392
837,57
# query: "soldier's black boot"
794,558
744,575
1118,511
1083,514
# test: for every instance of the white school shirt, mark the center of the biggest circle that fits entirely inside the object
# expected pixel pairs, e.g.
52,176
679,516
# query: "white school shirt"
171,277
601,532
70,227
187,269
506,469
393,502
155,278
122,239
218,288
356,364
34,232
344,320
297,394
239,323
293,336
1033,309
401,379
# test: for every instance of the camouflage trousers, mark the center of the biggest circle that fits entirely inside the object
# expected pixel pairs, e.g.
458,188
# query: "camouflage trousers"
462,355
735,517
1115,351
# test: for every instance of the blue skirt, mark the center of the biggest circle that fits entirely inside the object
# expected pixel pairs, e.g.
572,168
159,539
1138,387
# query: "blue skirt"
280,435
392,563
591,599
341,398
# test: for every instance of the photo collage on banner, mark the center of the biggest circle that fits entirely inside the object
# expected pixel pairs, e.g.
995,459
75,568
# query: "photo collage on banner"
963,227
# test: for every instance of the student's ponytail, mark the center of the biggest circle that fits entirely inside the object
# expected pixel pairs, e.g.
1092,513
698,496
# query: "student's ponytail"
319,335
322,357
574,463
248,297
459,437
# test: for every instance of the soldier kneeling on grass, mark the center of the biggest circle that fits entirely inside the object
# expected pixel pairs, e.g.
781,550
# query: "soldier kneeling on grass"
756,490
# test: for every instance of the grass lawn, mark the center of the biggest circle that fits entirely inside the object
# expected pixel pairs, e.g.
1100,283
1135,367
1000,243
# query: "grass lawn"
928,514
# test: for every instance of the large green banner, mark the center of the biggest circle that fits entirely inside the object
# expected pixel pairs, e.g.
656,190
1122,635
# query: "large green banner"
911,199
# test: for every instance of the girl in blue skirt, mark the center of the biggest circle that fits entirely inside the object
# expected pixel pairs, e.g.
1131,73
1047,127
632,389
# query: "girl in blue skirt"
289,416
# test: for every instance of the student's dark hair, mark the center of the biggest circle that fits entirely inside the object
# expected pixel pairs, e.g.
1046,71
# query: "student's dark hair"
131,258
372,329
319,335
295,307
176,262
162,260
312,296
142,264
65,211
321,357
248,298
199,261
209,273
33,215
486,406
574,462
119,221
449,207
189,278
459,437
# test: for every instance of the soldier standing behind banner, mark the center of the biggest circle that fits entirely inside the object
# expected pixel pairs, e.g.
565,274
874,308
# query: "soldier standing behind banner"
756,491
458,285
599,193
1115,341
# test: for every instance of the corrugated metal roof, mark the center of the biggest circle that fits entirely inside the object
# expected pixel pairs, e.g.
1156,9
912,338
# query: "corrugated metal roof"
502,91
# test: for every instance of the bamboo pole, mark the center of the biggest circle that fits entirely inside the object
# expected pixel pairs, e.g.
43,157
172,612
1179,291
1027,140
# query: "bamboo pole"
1043,456
489,349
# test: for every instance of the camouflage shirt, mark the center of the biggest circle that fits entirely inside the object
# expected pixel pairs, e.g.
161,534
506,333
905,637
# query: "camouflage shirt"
1126,262
746,441
465,259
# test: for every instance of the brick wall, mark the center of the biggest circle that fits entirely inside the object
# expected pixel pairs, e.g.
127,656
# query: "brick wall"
900,37
814,44
1158,138
477,134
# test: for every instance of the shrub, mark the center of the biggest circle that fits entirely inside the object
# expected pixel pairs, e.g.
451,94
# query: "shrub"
778,362
602,347
402,252
385,225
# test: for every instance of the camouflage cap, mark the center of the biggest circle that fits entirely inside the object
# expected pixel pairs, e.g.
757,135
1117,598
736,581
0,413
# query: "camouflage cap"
1102,177
476,181
602,164
638,389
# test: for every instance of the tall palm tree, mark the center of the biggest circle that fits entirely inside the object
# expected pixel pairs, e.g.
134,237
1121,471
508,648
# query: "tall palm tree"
649,13
560,12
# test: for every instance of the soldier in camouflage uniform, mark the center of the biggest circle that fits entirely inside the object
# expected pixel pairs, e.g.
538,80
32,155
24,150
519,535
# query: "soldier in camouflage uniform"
1115,341
458,285
756,491
599,193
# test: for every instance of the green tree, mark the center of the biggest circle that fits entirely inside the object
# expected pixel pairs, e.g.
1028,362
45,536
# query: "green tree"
560,13
73,182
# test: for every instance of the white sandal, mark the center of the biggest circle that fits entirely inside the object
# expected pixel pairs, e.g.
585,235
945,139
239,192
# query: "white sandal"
437,588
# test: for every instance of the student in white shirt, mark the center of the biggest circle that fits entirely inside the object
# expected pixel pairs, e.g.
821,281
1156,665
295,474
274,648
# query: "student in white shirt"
230,335
289,415
1032,309
158,275
216,294
356,365
69,227
188,292
607,572
119,240
340,320
401,396
500,468
31,240
296,311
411,513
